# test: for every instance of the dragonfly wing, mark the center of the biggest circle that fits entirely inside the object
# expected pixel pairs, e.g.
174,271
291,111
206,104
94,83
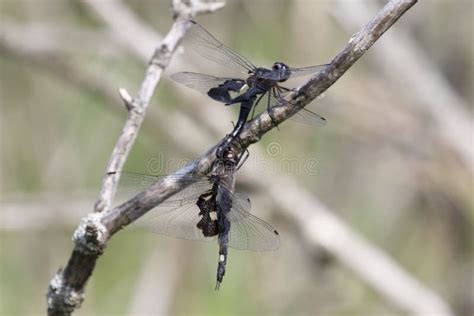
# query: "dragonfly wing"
132,183
199,82
180,222
303,116
308,117
248,232
210,48
304,71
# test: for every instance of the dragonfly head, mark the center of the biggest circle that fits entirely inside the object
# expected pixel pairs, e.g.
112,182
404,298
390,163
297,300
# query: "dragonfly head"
283,70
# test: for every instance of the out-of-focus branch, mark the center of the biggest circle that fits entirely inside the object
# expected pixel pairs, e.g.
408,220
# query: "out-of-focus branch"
66,290
119,17
42,38
410,68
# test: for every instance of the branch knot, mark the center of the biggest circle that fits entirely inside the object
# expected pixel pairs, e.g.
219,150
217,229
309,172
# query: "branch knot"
91,235
162,56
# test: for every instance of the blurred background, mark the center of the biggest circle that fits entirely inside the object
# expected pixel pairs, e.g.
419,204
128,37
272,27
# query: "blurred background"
375,209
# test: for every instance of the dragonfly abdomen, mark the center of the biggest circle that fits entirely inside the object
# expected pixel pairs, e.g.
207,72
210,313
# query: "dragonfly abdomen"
207,209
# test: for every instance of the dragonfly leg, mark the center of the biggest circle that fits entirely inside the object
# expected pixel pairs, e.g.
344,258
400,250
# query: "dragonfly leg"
242,159
255,105
279,96
270,111
287,89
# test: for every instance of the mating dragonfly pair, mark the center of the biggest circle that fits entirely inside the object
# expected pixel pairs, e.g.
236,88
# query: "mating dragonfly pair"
208,207
249,86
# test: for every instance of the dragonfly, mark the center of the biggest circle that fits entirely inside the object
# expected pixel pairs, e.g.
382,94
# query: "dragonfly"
249,86
206,209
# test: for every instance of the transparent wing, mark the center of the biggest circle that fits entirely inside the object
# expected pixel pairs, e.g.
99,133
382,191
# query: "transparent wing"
304,71
248,232
179,222
303,116
178,215
209,47
199,82
308,117
132,183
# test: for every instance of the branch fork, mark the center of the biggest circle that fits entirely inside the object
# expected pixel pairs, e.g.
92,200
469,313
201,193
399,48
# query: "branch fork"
126,98
91,236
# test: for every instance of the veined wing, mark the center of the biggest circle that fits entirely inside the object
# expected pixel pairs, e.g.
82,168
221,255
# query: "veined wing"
308,117
178,215
248,232
209,47
132,183
199,82
304,71
303,116
178,222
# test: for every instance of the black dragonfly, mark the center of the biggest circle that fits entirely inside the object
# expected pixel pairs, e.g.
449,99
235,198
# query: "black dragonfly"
207,208
250,85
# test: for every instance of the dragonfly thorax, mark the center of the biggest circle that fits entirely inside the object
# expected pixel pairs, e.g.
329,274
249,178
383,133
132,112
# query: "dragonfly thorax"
261,79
